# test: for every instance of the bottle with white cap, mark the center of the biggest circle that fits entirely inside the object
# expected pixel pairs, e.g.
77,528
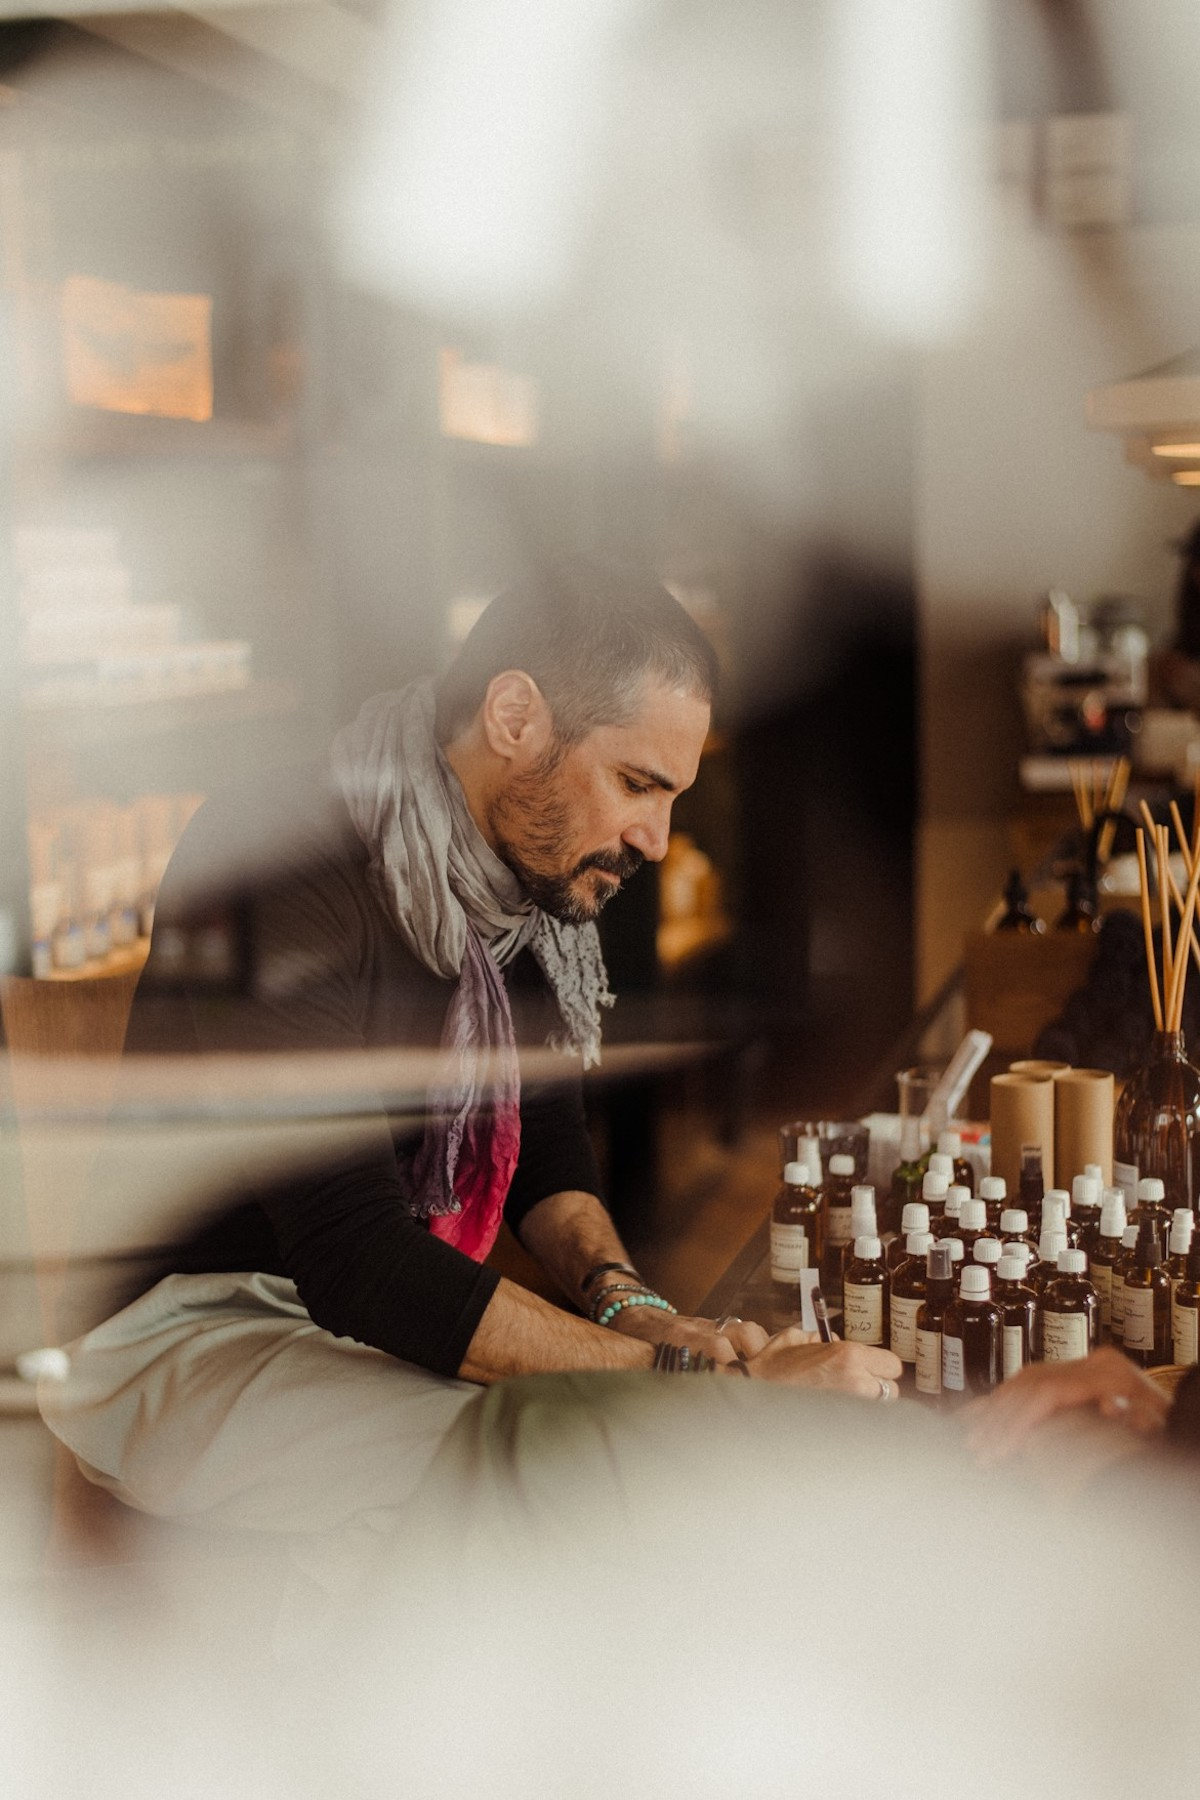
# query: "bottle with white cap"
915,1218
1052,1241
1108,1246
1185,1311
993,1191
910,1170
1014,1228
1183,1226
907,1286
947,1225
839,1189
1146,1335
972,1224
939,1291
863,1223
971,1337
1152,1204
1018,1315
1122,1264
934,1188
1056,1202
1070,1326
1087,1191
986,1253
797,1232
962,1172
865,1296
1033,1184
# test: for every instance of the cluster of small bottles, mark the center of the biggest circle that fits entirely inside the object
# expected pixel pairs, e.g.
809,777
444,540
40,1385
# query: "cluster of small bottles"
971,1289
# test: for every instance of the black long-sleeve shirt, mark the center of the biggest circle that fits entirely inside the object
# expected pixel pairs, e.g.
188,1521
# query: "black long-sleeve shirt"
317,965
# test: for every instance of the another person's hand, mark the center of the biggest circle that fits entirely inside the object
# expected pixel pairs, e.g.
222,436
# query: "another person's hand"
1003,1423
736,1337
801,1359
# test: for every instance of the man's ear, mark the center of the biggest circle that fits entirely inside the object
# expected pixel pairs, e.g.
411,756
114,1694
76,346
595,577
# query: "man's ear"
516,721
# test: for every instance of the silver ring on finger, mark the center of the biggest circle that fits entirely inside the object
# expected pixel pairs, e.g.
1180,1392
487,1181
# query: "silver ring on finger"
885,1388
724,1320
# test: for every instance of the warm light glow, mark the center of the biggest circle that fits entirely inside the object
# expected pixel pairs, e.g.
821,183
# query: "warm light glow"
1186,477
131,352
1175,449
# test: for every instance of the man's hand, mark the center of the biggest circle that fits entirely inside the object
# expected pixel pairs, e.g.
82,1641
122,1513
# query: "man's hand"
1003,1423
737,1337
801,1359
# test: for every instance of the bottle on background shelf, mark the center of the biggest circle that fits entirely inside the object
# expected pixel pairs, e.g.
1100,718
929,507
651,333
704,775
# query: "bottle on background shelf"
1183,1229
1185,1311
1018,1316
1146,1338
797,1232
971,1338
839,1187
939,1291
993,1191
1104,1255
962,1170
865,1295
1070,1324
1017,915
915,1218
1121,1265
907,1287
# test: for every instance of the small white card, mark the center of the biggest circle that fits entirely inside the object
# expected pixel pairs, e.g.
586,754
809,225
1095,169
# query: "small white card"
809,1279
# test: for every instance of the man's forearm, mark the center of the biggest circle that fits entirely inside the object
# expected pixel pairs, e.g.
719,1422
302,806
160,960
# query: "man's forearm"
569,1234
521,1334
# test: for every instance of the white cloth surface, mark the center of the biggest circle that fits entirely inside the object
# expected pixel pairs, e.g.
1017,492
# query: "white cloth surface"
215,1398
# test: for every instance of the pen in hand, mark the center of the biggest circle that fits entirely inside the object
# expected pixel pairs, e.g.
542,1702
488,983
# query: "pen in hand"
824,1329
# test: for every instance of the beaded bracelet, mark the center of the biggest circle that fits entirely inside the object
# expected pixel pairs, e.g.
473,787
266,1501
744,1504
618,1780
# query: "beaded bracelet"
677,1359
639,1299
599,1300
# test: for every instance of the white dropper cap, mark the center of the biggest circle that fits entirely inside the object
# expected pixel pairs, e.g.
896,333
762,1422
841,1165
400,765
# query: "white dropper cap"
1014,1219
1010,1268
988,1251
841,1164
1129,1237
1182,1226
955,1195
915,1217
1057,1197
868,1248
941,1164
1072,1262
935,1186
1112,1213
862,1212
993,1187
972,1215
949,1144
1095,1171
1085,1191
1150,1188
917,1243
1052,1241
957,1248
796,1174
975,1283
1022,1252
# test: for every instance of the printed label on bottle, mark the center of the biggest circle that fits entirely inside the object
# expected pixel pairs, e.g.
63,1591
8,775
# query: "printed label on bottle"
1116,1308
840,1224
1184,1335
1013,1351
953,1369
904,1328
862,1314
1100,1276
1139,1319
1125,1176
929,1362
789,1253
1064,1337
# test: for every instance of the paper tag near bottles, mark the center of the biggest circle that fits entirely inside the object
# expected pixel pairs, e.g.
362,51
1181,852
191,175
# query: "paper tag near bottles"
1125,1176
954,1377
1013,1351
1064,1337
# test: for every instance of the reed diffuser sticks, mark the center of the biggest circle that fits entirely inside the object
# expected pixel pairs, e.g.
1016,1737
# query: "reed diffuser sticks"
1167,999
1100,788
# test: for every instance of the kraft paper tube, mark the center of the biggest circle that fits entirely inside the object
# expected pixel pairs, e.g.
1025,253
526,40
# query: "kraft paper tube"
1022,1113
1083,1123
1032,1066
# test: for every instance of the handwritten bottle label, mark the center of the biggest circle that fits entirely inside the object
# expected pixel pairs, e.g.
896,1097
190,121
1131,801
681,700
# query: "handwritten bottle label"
1064,1336
789,1253
1139,1319
929,1362
1100,1276
1184,1335
1116,1308
904,1328
862,1314
1013,1351
954,1378
840,1229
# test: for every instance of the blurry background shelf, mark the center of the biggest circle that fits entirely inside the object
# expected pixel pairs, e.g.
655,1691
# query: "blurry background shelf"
77,727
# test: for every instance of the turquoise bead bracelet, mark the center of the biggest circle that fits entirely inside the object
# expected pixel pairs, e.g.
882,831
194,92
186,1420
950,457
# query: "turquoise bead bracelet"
610,1312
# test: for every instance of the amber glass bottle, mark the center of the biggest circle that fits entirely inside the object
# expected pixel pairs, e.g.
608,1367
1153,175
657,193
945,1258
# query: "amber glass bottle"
907,1285
1152,1204
1079,914
939,1291
839,1187
1033,1184
1185,1311
950,1144
993,1191
909,1172
1017,915
915,1218
973,1225
1156,1129
971,1337
1070,1327
1104,1255
865,1295
1014,1229
1183,1227
797,1233
1087,1192
1018,1314
1051,1244
986,1255
934,1188
1056,1211
1121,1267
1147,1331
863,1224
947,1225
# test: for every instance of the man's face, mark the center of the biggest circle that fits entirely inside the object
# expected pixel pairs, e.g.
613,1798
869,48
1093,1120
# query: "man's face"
584,817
